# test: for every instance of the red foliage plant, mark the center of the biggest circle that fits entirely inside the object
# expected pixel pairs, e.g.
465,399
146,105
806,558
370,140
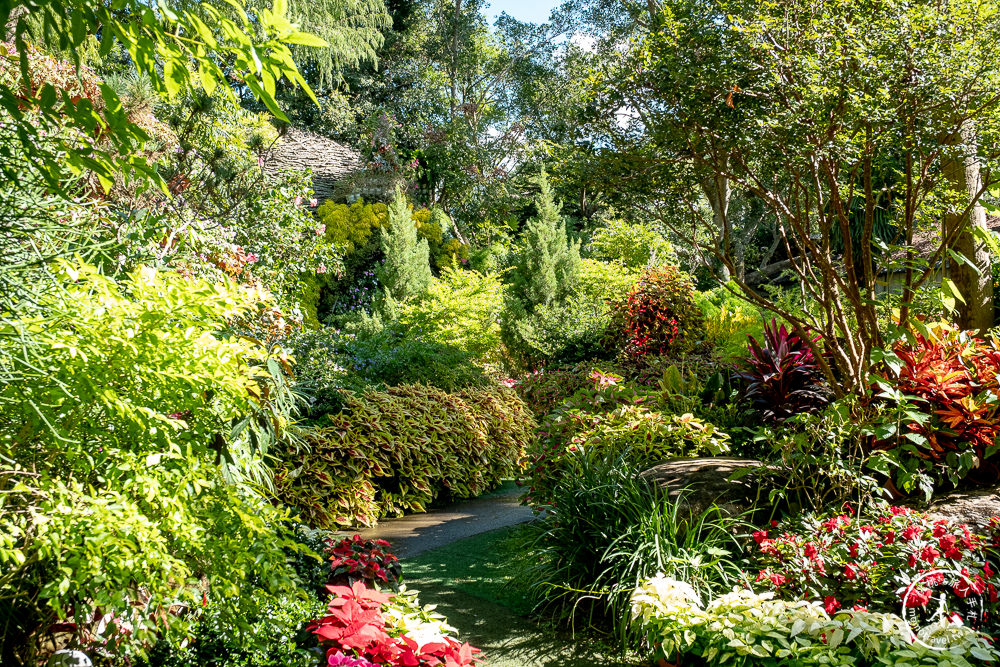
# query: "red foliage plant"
953,418
782,377
658,315
356,559
355,626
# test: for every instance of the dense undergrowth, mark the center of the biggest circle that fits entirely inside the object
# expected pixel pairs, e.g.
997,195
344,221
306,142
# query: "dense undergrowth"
203,367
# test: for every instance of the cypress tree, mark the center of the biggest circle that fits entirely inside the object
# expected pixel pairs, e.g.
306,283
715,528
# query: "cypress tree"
406,271
549,268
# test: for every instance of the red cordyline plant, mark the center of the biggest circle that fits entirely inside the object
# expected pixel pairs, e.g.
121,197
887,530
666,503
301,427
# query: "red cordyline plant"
881,560
945,386
782,377
356,628
357,559
658,315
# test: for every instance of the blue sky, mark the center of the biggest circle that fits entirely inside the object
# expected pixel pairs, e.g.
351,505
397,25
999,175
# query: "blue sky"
535,11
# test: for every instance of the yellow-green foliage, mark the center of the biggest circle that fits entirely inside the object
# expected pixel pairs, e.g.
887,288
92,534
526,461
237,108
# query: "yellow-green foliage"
460,309
728,321
451,252
601,281
115,495
427,225
350,226
397,451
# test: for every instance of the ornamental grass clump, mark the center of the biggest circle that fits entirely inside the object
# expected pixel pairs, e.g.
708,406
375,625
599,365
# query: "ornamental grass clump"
605,531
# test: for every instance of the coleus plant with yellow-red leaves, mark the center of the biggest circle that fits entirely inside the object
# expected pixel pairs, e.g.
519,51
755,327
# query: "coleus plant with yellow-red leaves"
942,384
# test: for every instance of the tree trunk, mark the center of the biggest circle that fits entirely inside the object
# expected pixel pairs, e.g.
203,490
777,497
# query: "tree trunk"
454,58
717,191
975,282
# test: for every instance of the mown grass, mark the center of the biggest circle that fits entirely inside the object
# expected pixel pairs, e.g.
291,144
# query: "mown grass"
478,584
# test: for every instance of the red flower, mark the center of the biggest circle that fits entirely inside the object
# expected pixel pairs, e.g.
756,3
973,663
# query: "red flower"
914,598
830,604
811,551
929,554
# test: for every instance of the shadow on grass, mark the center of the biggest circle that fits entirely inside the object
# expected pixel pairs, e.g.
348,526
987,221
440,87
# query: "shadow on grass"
475,584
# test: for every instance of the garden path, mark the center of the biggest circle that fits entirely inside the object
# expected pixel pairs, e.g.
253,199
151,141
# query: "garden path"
458,557
416,533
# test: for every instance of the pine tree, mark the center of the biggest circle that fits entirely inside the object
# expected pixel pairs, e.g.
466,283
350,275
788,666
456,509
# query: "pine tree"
550,263
406,271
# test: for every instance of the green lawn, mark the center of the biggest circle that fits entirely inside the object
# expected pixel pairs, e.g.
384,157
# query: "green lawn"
475,583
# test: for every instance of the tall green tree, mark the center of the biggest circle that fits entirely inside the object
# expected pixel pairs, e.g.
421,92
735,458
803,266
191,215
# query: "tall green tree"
540,322
829,113
406,270
549,267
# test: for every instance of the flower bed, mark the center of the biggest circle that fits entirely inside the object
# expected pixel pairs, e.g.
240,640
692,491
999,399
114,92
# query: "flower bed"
884,559
748,628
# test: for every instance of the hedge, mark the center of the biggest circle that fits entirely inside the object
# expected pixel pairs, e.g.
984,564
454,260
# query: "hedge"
398,450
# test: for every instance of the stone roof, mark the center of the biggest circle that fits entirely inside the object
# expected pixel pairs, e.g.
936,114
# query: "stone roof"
330,161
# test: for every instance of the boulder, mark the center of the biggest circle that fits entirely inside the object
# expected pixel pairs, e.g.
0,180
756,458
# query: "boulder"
706,481
972,507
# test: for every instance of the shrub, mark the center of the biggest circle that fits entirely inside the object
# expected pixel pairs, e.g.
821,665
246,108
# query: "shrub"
546,389
357,559
406,271
943,389
329,360
821,460
546,275
657,316
747,628
115,493
885,559
399,450
610,420
460,310
562,333
783,377
630,244
387,629
574,329
349,227
253,629
606,531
